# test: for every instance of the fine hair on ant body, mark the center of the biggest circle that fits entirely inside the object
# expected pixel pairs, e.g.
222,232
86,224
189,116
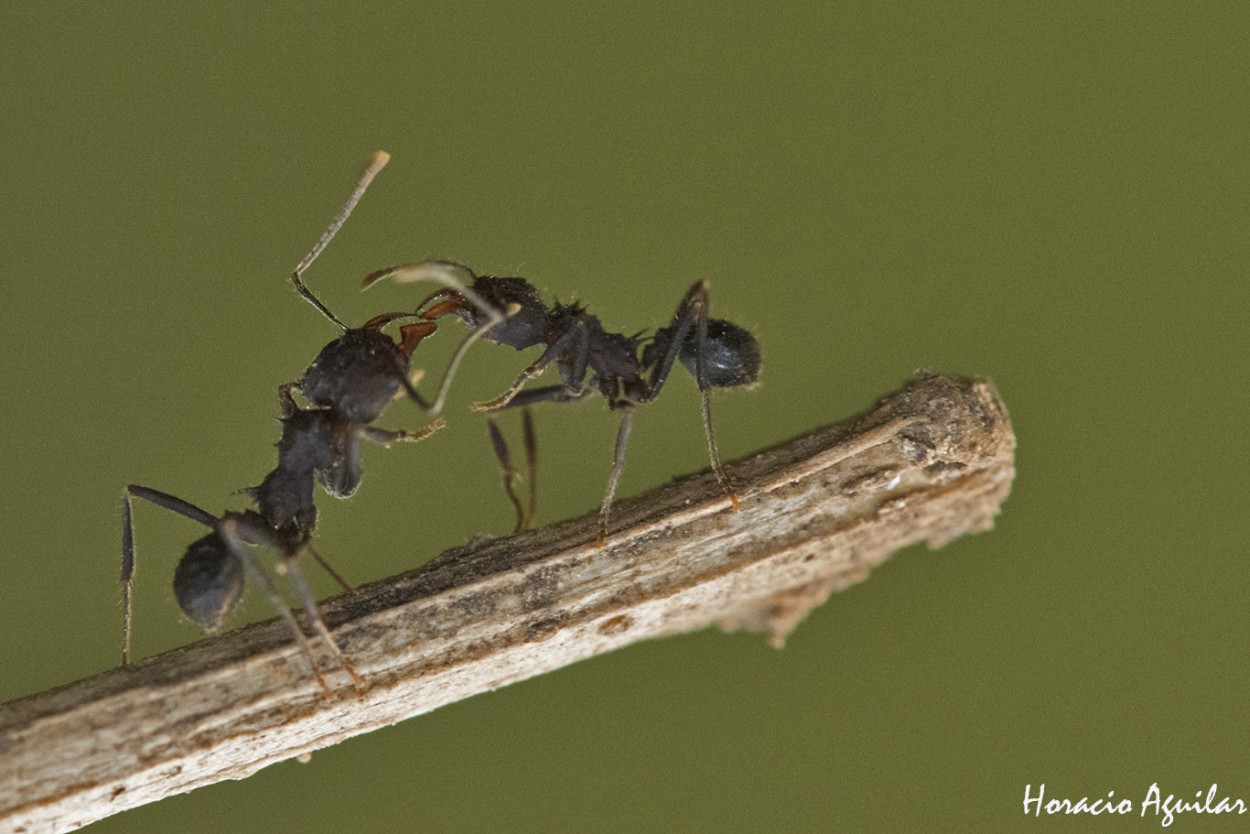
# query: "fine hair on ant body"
347,386
627,370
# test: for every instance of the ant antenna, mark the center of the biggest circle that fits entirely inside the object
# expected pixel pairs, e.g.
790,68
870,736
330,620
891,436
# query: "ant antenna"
377,161
444,272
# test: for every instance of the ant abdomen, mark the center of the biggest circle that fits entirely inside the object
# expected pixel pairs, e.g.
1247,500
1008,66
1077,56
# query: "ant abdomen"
208,581
731,355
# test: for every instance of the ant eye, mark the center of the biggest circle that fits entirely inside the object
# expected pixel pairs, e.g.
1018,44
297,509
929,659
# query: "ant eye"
208,581
731,355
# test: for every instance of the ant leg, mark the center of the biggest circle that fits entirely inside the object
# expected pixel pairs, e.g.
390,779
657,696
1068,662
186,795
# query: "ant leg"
721,476
228,529
321,560
705,393
385,437
548,394
509,474
296,575
576,334
502,401
160,499
523,400
692,313
618,465
531,462
377,161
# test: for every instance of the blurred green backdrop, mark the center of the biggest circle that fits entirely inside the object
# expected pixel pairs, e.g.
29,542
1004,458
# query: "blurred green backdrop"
1055,197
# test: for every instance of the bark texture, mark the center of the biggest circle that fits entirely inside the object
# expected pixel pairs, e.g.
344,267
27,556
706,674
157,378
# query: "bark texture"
932,462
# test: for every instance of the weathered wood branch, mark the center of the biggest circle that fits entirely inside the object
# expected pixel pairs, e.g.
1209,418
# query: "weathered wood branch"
932,462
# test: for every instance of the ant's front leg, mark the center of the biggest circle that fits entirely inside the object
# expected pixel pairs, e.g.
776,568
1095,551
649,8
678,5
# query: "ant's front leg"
386,437
547,394
577,337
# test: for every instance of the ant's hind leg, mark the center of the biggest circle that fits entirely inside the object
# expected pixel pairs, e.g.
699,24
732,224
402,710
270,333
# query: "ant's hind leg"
698,294
160,499
229,531
300,585
721,476
692,315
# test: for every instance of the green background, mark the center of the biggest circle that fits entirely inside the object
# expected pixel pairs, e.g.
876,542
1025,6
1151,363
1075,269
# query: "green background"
1055,197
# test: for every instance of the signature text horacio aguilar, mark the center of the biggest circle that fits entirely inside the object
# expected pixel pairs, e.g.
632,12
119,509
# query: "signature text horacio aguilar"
1164,806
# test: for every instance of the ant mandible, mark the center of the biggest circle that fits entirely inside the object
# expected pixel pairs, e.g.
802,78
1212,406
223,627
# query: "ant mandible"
627,370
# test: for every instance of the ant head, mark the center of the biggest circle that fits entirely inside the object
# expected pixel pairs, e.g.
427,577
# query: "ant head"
731,355
515,298
356,375
208,581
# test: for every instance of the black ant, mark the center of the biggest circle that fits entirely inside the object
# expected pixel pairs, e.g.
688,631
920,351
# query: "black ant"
349,385
626,370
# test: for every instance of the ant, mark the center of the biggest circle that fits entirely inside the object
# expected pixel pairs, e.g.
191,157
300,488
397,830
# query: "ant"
348,386
627,370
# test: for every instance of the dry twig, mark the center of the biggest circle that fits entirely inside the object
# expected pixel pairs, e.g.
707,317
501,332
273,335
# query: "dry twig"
932,462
